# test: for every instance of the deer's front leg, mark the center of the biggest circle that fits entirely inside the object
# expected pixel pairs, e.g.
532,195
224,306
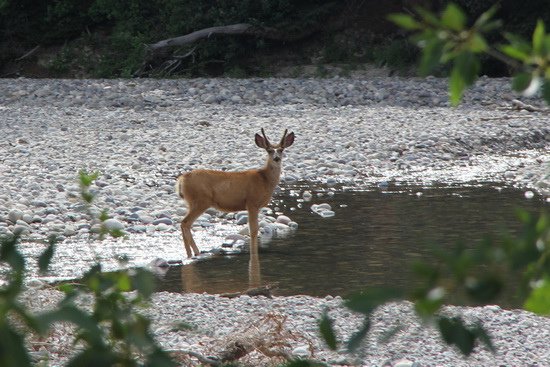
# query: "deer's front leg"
253,229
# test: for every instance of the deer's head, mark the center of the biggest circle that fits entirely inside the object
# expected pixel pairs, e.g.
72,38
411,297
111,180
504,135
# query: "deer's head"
275,152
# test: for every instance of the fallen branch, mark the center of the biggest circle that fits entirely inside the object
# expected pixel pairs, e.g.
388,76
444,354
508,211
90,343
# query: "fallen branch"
232,29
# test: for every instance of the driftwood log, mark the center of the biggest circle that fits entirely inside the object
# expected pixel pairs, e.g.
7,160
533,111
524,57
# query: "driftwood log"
233,29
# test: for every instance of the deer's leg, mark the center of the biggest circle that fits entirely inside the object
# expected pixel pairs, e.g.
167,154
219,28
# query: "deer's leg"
186,223
253,229
254,273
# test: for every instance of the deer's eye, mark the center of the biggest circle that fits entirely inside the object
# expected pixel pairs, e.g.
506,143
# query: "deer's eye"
280,151
270,151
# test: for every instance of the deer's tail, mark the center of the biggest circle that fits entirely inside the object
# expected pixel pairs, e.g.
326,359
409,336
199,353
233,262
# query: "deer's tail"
179,186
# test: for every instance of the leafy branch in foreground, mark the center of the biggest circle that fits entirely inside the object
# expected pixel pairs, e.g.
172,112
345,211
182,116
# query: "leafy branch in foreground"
478,273
447,39
114,333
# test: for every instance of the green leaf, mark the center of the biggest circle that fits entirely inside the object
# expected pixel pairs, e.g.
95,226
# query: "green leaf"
86,178
546,91
478,44
428,17
365,302
404,21
12,348
87,197
10,254
327,331
521,81
143,281
159,358
453,17
431,56
124,283
465,69
358,336
457,85
539,299
104,215
46,257
538,38
484,23
426,307
515,53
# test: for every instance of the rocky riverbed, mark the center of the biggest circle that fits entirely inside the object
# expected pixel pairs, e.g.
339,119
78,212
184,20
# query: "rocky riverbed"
140,134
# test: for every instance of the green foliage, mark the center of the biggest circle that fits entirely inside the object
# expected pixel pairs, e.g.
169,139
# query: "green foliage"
118,31
114,333
86,179
447,39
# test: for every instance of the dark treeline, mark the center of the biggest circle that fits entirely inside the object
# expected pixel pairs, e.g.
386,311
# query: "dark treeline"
107,38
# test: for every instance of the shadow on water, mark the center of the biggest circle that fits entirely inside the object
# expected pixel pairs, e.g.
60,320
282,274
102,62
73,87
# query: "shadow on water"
372,240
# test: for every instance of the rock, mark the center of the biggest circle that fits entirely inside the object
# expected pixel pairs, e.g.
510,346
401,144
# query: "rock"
165,221
405,363
159,263
146,219
302,351
163,227
15,215
39,203
113,225
283,219
27,218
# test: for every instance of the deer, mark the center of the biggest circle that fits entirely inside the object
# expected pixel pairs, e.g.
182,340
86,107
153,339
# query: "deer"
248,190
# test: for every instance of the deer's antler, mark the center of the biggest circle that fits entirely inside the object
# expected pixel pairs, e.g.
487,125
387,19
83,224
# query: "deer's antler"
283,138
265,137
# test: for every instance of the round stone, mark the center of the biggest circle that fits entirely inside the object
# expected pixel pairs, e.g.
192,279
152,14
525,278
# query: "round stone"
113,225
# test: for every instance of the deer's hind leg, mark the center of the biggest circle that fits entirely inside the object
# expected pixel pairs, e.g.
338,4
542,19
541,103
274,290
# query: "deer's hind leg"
186,224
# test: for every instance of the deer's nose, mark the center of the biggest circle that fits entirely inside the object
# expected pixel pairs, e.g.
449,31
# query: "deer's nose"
277,159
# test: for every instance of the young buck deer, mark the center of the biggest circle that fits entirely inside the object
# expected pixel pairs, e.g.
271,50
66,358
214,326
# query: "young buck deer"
232,191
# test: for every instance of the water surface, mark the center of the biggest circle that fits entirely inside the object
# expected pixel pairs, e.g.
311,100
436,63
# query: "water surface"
371,241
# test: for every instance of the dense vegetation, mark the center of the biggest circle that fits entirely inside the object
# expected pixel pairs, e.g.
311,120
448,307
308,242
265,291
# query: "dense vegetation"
105,38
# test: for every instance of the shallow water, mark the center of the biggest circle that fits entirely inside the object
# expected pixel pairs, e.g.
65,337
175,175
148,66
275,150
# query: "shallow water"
371,241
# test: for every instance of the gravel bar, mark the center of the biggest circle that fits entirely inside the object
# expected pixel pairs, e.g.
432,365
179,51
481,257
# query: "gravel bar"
354,133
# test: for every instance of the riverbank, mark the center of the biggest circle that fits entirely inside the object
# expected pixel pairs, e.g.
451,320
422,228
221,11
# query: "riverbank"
140,134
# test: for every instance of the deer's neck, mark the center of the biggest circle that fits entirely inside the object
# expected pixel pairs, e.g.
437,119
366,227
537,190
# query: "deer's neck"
272,172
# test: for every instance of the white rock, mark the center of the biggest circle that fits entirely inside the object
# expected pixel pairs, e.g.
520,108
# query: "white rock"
283,219
301,351
113,225
15,215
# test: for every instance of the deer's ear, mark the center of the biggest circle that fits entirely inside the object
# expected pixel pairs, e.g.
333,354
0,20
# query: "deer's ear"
289,139
260,141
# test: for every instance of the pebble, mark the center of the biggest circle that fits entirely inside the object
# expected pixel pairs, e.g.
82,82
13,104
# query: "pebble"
339,140
113,225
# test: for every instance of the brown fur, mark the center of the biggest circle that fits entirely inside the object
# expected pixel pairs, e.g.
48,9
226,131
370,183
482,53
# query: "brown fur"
231,191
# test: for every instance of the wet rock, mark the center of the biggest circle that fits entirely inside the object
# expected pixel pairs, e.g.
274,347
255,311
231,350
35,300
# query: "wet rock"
283,219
